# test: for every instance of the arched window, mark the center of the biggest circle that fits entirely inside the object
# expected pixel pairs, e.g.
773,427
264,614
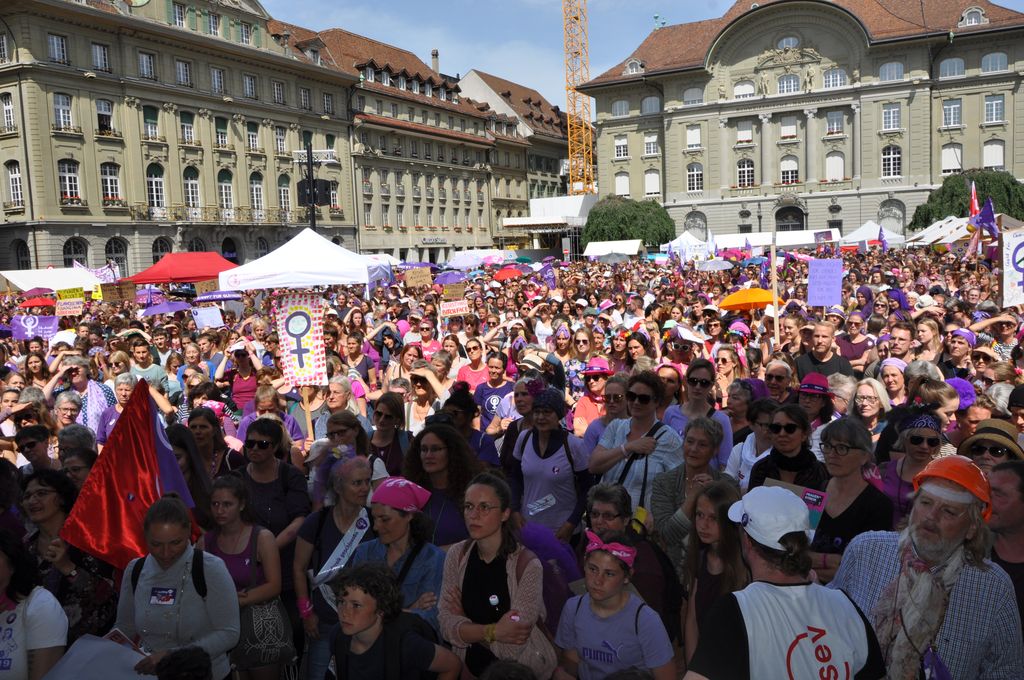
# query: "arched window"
973,17
225,195
262,247
161,246
993,154
620,107
952,158
22,256
284,192
155,186
745,173
788,42
15,195
256,192
696,223
67,180
789,169
652,183
743,89
693,96
892,215
196,245
116,251
789,84
650,105
834,77
951,68
892,161
229,251
891,70
835,166
789,219
190,184
695,177
110,182
75,250
994,62
622,184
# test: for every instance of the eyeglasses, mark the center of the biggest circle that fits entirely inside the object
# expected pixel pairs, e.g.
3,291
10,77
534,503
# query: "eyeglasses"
980,449
38,493
482,508
606,516
641,398
789,428
865,399
917,440
68,410
774,377
980,357
837,448
614,398
339,433
702,382
261,444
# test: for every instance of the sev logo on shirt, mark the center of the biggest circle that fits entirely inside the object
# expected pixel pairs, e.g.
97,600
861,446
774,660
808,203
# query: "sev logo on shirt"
819,652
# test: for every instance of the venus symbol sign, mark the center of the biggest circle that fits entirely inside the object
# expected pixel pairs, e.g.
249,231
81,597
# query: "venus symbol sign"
297,325
1018,262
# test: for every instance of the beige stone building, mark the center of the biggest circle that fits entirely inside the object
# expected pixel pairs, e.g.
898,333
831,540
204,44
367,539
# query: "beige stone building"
130,130
810,114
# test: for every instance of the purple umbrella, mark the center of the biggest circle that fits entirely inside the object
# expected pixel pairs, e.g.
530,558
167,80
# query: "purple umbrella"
38,291
166,308
219,296
449,277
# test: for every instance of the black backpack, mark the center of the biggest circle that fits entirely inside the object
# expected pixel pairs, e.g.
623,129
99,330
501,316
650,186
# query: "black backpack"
394,632
198,574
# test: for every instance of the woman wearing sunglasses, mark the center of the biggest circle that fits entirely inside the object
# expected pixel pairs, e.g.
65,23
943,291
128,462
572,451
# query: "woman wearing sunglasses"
993,442
700,385
920,439
790,459
583,347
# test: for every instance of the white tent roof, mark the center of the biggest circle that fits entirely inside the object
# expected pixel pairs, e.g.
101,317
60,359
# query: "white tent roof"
54,279
305,261
783,239
869,232
473,259
599,248
938,231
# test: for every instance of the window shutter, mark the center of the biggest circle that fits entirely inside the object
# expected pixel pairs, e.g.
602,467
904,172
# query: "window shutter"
170,11
993,154
693,135
256,40
192,18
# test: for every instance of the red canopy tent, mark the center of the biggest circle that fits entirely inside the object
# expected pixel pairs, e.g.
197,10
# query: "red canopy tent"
184,268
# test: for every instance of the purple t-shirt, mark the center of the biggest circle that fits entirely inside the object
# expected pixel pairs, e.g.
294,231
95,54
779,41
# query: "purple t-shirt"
488,398
107,420
290,424
549,486
449,525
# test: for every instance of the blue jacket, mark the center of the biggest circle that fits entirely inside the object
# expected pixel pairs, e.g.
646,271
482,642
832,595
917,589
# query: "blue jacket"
424,575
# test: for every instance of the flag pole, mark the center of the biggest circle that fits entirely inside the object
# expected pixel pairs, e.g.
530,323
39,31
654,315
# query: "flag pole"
775,293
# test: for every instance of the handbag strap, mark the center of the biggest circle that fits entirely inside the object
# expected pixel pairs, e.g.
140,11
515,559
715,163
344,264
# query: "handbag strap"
255,540
404,571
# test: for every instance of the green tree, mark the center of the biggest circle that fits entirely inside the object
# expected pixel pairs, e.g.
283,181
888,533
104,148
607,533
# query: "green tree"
617,219
954,196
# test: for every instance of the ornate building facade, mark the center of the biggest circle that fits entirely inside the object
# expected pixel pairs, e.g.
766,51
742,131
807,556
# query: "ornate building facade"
806,114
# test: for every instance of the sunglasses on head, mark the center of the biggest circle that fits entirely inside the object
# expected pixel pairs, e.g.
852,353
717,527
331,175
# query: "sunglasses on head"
703,382
641,398
917,440
789,428
261,444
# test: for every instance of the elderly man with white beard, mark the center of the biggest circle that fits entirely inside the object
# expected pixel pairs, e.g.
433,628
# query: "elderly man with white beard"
936,602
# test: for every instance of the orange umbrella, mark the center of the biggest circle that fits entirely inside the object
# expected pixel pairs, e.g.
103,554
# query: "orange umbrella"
749,298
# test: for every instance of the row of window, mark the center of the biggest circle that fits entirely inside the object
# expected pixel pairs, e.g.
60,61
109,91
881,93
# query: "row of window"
76,250
413,147
424,216
412,84
993,62
245,33
396,178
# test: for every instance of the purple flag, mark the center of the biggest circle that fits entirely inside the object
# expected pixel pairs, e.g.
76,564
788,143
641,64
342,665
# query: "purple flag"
986,219
882,241
27,326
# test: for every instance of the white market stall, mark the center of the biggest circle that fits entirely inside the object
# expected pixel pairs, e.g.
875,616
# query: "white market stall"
869,232
631,248
942,231
54,279
474,259
307,260
783,239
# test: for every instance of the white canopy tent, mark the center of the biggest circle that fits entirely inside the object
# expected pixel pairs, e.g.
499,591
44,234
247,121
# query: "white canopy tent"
939,232
54,279
783,239
598,248
474,259
307,260
869,232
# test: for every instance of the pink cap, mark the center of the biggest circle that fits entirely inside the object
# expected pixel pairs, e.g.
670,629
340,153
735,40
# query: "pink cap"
401,494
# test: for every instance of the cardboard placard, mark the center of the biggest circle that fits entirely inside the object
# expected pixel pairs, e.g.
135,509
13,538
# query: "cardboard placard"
110,292
814,499
454,291
824,283
454,308
126,289
418,276
207,286
1012,286
70,301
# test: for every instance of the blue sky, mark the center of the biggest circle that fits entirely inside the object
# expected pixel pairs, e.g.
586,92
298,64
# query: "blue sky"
517,39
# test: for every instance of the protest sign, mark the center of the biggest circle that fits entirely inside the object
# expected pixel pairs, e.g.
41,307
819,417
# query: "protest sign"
814,499
825,283
126,289
29,326
207,317
70,301
207,286
300,326
110,292
418,276
1013,268
454,291
454,308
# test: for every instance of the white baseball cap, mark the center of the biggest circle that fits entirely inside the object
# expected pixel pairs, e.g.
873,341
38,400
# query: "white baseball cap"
768,513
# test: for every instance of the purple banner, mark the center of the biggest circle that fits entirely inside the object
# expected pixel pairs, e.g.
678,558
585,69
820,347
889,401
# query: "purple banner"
26,327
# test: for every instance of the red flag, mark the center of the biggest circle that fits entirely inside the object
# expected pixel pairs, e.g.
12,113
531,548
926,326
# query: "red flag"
974,207
136,467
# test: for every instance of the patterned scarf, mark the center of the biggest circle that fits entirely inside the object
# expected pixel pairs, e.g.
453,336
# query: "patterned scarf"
911,610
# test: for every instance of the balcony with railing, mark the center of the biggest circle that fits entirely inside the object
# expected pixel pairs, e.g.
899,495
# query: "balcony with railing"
417,192
66,129
479,197
114,203
145,212
17,206
456,196
367,187
430,193
73,201
442,194
400,190
109,135
254,216
227,215
282,216
385,189
844,184
189,141
327,156
11,129
738,191
154,139
336,212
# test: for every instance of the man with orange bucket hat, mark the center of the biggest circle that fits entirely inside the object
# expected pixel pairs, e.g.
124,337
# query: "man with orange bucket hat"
936,602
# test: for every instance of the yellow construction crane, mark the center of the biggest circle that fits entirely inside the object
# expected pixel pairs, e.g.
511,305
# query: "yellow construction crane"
577,72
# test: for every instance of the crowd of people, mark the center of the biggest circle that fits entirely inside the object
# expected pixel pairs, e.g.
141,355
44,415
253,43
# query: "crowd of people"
606,475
